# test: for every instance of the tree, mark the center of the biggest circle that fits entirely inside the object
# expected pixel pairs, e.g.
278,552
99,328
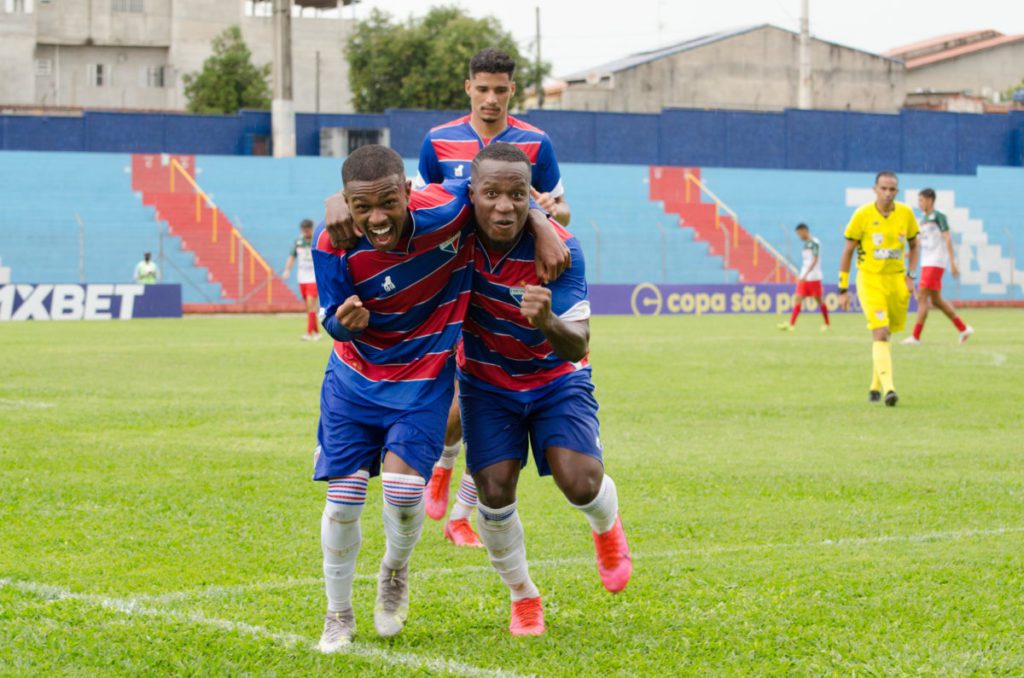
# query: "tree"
229,81
424,62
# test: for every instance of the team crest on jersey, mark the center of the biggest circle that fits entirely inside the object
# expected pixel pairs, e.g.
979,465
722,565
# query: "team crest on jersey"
878,239
389,286
517,294
880,315
451,245
458,170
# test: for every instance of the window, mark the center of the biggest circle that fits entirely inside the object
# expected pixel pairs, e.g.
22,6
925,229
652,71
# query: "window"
261,8
133,6
98,75
44,66
155,76
17,6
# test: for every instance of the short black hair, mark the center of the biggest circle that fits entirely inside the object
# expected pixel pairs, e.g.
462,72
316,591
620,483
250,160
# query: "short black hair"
802,227
492,60
503,152
885,173
370,163
306,223
927,193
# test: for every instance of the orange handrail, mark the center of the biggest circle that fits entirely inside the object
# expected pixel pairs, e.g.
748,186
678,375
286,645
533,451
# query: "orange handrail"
254,256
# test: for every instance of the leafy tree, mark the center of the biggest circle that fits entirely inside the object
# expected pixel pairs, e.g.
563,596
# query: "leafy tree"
423,63
229,81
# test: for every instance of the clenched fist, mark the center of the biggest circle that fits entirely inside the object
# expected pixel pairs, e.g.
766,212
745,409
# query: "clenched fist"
352,316
536,305
341,228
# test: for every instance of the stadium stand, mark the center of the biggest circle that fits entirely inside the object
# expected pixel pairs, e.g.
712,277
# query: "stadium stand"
45,194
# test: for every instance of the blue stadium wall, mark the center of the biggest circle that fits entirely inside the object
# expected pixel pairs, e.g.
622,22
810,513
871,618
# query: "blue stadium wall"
913,141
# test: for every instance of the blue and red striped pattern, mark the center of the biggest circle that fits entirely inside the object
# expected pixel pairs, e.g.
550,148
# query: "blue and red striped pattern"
417,296
500,349
349,490
467,491
402,491
449,149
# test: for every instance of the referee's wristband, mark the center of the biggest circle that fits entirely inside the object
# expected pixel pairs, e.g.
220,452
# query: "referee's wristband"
911,275
844,280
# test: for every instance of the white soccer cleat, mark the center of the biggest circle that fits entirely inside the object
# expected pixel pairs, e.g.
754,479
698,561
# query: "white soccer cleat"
339,627
966,334
911,341
392,607
306,337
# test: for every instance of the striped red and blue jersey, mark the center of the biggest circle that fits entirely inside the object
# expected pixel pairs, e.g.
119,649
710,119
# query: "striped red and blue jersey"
501,351
417,296
448,151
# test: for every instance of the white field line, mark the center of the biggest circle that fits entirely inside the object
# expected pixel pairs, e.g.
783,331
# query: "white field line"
24,404
285,584
134,608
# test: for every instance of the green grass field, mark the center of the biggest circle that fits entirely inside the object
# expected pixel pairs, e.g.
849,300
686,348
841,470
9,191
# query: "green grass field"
157,517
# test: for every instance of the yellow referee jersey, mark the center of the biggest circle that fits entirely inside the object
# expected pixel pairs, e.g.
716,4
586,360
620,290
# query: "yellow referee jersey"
881,240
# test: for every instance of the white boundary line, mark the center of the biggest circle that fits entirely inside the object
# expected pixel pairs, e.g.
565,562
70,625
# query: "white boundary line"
134,608
285,584
15,404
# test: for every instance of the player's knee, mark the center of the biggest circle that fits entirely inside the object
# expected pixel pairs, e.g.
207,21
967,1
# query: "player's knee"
582,487
494,491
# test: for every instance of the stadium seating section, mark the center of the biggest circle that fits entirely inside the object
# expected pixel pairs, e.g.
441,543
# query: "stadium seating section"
635,222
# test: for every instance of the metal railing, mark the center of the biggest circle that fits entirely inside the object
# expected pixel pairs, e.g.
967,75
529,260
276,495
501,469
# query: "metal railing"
235,238
720,206
780,261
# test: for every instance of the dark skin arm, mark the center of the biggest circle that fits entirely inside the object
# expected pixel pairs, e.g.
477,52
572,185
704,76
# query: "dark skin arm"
569,340
551,255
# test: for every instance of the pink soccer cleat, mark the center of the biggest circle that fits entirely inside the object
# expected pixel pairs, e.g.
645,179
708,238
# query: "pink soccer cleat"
614,563
461,533
436,495
527,617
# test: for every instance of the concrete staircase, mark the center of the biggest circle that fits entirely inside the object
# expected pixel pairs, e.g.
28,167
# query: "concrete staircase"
679,189
168,184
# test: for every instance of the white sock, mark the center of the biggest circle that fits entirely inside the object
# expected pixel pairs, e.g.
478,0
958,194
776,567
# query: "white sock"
449,455
465,500
502,534
603,510
403,516
340,537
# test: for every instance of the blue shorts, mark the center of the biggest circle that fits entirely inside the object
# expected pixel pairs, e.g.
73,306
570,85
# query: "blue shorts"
498,428
353,435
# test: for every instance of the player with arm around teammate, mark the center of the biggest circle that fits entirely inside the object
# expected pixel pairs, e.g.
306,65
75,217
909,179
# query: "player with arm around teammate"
808,283
936,256
880,232
394,303
302,253
524,378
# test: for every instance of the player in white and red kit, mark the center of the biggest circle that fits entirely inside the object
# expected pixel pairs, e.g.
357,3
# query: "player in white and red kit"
302,254
808,284
936,256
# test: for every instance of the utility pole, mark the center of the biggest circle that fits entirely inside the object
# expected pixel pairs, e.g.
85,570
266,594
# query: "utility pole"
282,108
540,76
804,92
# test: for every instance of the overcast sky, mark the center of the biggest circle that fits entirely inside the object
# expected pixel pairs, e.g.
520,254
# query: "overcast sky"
579,34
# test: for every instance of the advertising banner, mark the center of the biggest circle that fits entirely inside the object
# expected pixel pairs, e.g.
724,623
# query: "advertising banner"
668,299
93,301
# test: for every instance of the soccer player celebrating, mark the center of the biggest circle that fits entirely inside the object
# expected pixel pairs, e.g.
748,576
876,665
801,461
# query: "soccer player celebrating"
881,231
808,283
525,383
302,252
447,153
936,256
394,303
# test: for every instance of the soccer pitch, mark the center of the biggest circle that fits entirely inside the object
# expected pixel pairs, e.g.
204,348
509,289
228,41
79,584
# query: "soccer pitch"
157,514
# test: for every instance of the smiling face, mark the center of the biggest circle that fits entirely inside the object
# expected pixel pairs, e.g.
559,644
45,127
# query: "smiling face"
885,191
380,208
501,201
489,94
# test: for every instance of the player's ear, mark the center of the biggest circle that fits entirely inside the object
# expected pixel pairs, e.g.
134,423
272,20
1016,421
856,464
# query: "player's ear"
512,88
408,188
472,193
469,87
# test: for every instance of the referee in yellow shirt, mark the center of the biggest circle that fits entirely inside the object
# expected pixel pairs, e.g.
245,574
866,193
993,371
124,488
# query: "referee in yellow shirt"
881,232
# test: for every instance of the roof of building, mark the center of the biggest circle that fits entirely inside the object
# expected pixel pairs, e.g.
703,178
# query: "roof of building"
639,58
950,46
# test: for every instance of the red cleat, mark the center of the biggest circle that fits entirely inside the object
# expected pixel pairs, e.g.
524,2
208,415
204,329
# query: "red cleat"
527,617
461,533
436,494
614,563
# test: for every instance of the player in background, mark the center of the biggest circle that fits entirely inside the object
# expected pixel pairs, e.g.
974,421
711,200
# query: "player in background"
936,256
880,232
394,302
524,376
447,153
146,271
302,252
808,283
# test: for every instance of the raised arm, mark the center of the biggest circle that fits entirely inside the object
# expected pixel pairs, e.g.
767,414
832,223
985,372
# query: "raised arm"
570,340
